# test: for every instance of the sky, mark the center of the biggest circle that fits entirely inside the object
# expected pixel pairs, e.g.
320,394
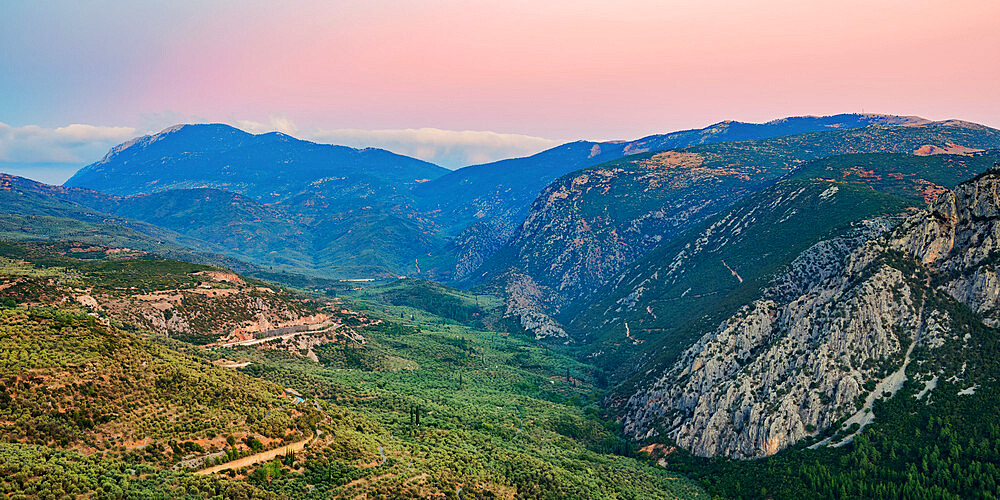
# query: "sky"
463,82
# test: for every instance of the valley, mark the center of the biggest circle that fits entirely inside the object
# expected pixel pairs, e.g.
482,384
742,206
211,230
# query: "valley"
801,308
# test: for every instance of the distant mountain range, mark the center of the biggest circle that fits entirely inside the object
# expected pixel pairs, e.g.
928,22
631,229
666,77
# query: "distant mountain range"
311,208
292,206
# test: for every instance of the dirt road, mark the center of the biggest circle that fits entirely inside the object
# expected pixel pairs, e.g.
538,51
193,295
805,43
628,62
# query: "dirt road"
264,456
315,328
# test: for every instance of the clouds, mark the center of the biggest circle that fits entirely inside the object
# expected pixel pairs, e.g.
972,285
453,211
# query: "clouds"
76,143
448,148
274,124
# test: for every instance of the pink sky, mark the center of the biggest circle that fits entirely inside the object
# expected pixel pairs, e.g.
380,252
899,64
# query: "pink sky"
593,69
557,70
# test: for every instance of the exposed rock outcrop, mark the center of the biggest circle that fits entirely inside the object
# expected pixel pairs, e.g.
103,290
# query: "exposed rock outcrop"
524,302
830,335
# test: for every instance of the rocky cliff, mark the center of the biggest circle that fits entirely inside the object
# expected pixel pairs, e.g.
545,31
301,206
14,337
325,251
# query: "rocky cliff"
832,334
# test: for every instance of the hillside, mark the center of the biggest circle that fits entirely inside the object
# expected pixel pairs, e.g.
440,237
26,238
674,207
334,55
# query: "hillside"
827,347
691,283
587,226
35,211
664,301
71,381
920,179
194,302
299,236
410,397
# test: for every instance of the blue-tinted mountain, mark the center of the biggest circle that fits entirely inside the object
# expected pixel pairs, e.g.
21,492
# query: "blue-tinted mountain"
31,210
265,167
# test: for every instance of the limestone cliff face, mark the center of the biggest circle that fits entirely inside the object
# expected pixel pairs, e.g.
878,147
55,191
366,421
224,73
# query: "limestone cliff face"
524,301
960,236
830,335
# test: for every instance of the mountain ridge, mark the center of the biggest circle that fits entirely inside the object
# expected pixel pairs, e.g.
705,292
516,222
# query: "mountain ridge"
586,226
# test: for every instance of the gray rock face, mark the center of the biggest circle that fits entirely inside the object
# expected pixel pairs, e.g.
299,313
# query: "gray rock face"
524,302
960,236
799,359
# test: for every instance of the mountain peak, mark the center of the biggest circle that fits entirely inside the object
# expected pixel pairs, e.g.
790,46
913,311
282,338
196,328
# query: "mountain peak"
269,165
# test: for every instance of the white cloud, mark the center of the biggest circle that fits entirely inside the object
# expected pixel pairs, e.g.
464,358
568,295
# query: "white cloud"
76,143
274,124
448,148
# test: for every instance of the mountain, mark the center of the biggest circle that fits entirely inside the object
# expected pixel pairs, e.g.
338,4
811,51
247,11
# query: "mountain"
265,167
276,201
690,284
274,236
485,203
901,318
587,226
306,208
664,301
36,211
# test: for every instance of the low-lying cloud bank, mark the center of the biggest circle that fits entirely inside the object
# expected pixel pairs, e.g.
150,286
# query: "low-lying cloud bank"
52,155
70,144
448,148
